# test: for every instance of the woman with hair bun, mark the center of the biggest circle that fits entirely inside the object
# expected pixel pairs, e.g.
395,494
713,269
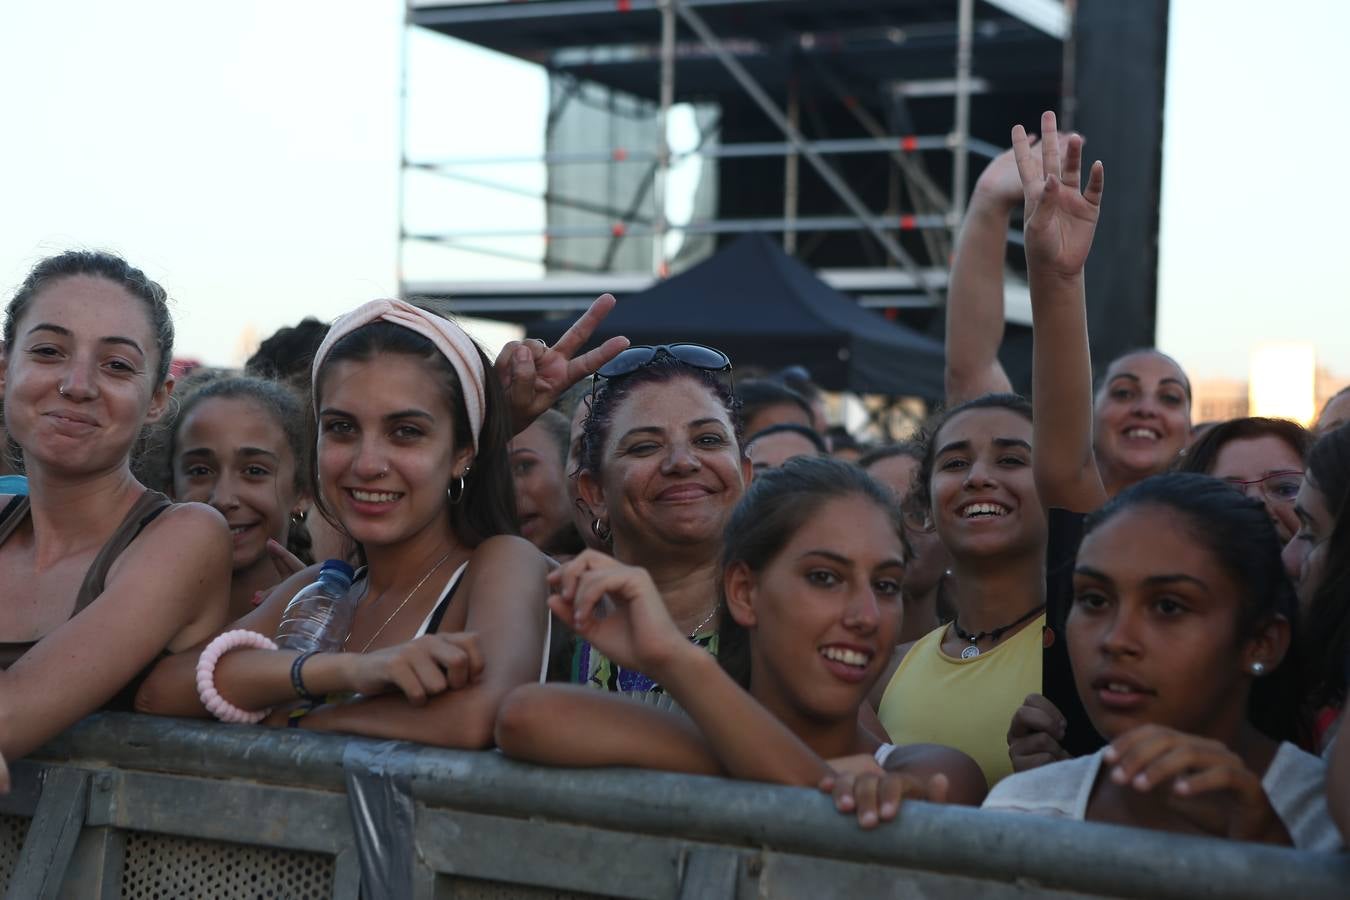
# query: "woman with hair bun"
99,577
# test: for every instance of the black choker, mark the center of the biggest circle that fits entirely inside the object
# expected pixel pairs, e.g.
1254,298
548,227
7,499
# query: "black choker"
993,634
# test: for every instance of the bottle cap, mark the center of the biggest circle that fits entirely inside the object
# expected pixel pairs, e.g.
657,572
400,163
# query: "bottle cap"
340,566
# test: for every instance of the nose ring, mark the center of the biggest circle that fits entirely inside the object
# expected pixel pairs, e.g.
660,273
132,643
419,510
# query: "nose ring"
61,389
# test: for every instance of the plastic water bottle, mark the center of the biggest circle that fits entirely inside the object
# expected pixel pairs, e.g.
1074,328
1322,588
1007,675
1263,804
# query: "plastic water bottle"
320,616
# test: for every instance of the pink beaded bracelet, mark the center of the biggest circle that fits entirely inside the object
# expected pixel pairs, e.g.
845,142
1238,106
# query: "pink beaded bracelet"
215,704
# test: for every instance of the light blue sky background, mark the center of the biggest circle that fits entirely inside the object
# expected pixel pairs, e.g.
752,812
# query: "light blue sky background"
246,154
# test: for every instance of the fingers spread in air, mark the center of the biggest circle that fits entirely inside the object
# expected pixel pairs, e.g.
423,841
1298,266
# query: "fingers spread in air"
1026,166
1096,184
1050,161
1073,161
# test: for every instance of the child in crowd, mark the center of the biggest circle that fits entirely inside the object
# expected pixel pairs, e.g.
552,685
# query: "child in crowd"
241,445
809,583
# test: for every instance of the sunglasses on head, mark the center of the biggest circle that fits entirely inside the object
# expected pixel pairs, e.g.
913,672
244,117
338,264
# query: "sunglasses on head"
695,355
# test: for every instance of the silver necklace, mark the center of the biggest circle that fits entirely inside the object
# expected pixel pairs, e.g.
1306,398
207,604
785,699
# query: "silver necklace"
440,562
699,627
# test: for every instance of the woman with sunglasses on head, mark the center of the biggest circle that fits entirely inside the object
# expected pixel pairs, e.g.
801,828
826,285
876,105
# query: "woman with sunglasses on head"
449,610
1261,457
99,577
1181,620
661,469
809,581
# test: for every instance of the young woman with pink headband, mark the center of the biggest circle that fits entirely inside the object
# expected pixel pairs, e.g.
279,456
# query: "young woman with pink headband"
410,463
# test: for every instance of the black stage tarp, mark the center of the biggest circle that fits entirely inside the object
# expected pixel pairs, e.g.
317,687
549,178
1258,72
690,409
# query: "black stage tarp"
761,307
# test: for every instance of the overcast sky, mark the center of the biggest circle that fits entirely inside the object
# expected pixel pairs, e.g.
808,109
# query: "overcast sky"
246,154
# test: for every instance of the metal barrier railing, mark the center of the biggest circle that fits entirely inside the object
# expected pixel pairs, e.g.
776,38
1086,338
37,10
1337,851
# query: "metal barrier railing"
131,806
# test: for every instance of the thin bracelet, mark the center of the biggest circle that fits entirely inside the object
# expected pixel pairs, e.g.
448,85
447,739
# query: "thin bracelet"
215,704
298,679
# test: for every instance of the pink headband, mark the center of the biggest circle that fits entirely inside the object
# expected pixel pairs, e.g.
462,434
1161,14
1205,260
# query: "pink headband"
448,337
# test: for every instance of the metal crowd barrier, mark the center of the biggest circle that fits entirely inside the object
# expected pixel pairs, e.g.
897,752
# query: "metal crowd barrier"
139,807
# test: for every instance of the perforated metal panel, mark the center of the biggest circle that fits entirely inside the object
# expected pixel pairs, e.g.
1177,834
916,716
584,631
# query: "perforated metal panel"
473,889
13,829
159,867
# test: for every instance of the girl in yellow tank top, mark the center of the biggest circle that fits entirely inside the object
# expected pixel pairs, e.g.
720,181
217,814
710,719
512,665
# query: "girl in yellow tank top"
961,684
964,703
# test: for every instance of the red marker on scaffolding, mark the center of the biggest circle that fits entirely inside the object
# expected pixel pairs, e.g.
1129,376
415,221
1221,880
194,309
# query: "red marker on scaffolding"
909,143
908,223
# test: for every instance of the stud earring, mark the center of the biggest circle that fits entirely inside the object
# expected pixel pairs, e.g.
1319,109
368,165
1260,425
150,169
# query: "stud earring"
1258,669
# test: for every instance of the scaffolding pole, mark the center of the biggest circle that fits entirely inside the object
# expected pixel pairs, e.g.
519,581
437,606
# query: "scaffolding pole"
711,226
791,168
400,199
895,144
659,265
965,37
824,169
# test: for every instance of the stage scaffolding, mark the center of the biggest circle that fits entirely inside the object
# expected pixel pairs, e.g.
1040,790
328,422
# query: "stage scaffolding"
809,69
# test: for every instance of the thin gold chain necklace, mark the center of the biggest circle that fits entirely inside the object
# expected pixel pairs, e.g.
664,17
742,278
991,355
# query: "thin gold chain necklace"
432,571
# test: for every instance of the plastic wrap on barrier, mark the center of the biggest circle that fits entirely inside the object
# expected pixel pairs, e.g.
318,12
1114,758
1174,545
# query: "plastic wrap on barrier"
382,813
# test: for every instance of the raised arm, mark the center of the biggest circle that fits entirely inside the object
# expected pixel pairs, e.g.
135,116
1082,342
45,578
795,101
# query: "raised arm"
535,375
169,589
975,293
1060,222
634,629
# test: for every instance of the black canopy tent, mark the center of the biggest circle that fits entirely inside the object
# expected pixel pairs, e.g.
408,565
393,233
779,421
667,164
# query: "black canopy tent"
762,307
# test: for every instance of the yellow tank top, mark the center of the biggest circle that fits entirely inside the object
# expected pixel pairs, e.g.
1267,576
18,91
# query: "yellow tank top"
968,704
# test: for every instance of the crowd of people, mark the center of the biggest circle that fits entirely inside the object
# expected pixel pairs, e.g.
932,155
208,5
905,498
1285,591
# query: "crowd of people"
1080,605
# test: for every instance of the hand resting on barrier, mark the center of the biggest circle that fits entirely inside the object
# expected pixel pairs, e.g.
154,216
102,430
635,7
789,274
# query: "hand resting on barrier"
807,617
1034,735
1200,779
